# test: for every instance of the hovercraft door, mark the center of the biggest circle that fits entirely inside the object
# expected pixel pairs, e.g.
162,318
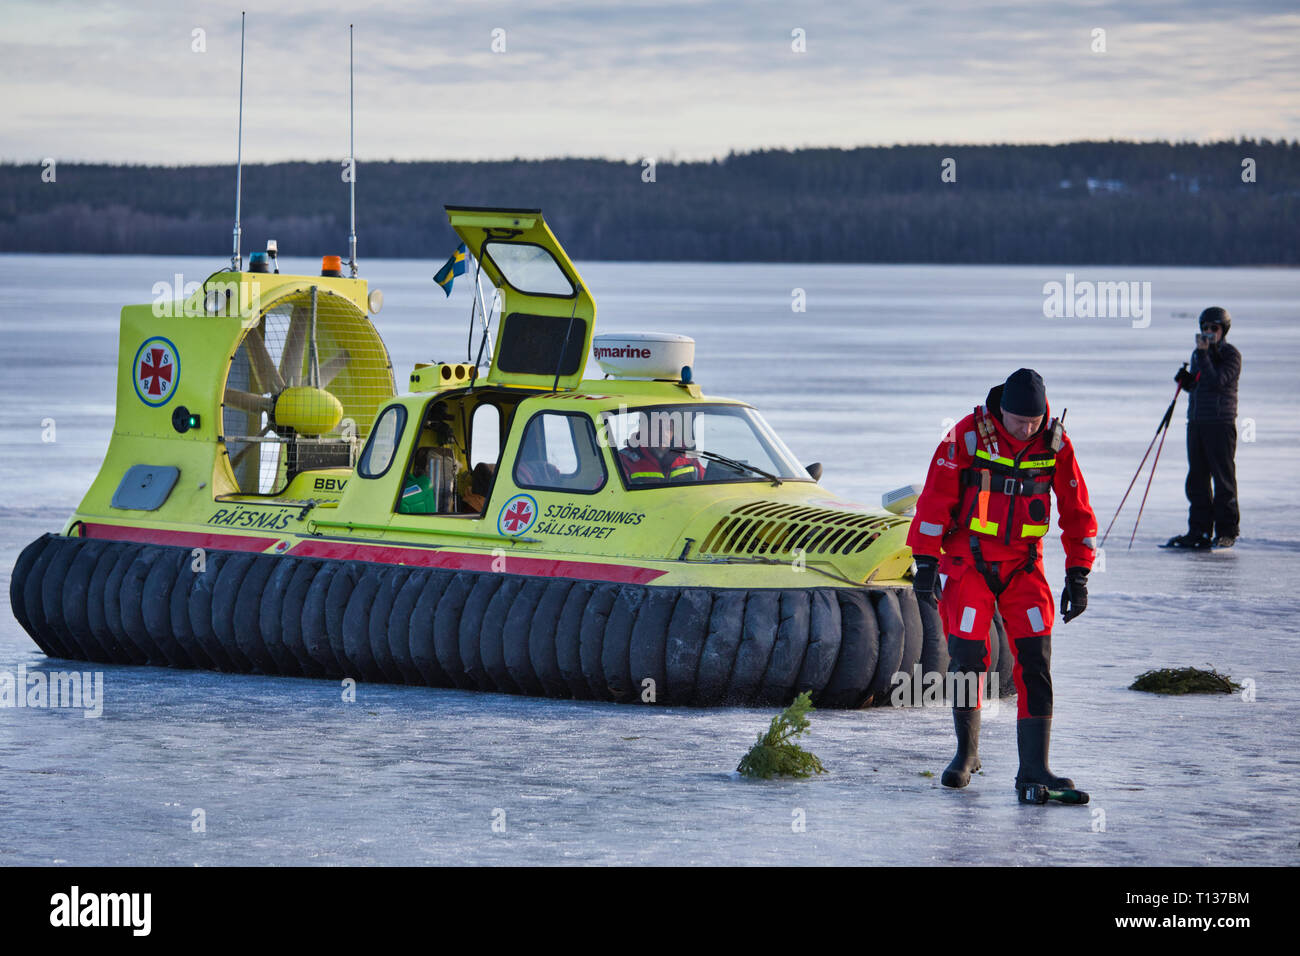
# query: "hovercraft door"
455,457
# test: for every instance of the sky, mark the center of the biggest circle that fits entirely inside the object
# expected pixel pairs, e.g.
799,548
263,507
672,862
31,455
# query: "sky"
158,83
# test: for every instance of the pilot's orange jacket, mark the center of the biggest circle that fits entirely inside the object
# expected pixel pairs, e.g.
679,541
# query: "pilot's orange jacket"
1001,498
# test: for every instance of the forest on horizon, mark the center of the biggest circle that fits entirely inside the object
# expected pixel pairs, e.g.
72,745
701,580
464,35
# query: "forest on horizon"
1158,203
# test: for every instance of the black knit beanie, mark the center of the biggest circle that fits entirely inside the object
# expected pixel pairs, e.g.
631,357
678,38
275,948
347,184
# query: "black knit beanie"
1024,394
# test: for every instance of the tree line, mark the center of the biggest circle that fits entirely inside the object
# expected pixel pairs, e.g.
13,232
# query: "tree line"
1161,203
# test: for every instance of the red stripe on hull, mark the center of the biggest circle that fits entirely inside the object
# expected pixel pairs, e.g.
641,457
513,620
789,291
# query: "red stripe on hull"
468,561
185,539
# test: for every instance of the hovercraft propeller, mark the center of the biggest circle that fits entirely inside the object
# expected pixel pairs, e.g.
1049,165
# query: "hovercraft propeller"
306,409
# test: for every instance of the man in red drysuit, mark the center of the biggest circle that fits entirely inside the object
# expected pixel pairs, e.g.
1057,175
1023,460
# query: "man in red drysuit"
985,507
658,459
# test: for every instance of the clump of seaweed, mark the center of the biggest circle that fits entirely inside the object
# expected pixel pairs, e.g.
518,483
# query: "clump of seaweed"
775,754
1184,680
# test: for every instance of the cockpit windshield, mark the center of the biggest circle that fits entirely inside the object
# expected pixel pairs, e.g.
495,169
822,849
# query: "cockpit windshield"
677,444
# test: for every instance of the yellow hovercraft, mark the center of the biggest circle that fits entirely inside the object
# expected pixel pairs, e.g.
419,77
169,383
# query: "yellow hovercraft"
270,504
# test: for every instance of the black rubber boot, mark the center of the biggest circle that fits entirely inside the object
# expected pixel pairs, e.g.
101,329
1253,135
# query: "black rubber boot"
1033,737
966,720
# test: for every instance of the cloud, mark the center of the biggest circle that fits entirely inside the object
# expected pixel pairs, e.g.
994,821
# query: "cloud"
691,78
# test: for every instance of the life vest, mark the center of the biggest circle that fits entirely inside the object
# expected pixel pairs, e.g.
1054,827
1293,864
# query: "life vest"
641,465
1009,498
418,497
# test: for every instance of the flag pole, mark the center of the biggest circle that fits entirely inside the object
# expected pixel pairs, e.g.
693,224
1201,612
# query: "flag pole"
478,289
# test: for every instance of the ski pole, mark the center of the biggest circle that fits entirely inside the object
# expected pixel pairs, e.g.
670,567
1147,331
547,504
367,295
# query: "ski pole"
1164,424
1154,462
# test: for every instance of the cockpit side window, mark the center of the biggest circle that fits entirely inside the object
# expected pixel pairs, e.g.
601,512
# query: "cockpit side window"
485,436
382,447
559,452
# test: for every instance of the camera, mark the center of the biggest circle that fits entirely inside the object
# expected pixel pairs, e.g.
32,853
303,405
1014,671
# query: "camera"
1205,337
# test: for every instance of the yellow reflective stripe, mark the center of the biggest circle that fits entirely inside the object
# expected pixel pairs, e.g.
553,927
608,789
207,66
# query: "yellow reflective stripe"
646,474
981,453
983,527
1033,530
1032,463
682,470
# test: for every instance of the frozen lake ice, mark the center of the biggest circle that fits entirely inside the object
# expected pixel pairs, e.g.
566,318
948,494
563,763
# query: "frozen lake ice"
286,772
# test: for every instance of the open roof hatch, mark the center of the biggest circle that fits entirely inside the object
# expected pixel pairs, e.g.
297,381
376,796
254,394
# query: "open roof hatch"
548,314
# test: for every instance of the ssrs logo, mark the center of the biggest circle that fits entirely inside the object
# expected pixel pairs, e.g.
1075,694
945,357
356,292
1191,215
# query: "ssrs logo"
157,370
517,515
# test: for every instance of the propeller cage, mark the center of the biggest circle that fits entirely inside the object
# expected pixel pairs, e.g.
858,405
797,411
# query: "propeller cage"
312,351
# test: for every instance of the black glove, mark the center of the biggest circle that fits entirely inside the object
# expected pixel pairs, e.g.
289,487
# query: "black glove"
1074,599
1185,378
926,580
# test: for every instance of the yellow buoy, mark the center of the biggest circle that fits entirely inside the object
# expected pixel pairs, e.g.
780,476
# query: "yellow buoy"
307,410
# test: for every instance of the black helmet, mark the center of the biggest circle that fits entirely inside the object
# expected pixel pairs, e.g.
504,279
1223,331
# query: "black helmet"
1216,314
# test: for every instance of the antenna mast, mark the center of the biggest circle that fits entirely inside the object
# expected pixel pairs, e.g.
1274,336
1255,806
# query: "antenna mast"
236,259
352,160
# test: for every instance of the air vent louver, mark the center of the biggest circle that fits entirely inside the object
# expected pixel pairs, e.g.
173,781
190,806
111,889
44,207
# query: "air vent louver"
771,528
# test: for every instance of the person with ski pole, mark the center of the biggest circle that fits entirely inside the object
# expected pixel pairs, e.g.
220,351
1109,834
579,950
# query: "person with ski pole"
1213,517
985,507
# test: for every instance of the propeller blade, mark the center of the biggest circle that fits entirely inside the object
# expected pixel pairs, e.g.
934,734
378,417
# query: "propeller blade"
263,366
248,401
332,366
239,455
295,343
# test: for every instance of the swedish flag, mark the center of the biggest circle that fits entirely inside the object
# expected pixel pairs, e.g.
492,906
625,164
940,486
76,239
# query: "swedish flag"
455,266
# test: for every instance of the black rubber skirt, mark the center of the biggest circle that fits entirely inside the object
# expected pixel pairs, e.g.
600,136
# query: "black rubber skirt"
120,602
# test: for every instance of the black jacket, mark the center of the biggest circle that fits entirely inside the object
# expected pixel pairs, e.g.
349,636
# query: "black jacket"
1214,394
